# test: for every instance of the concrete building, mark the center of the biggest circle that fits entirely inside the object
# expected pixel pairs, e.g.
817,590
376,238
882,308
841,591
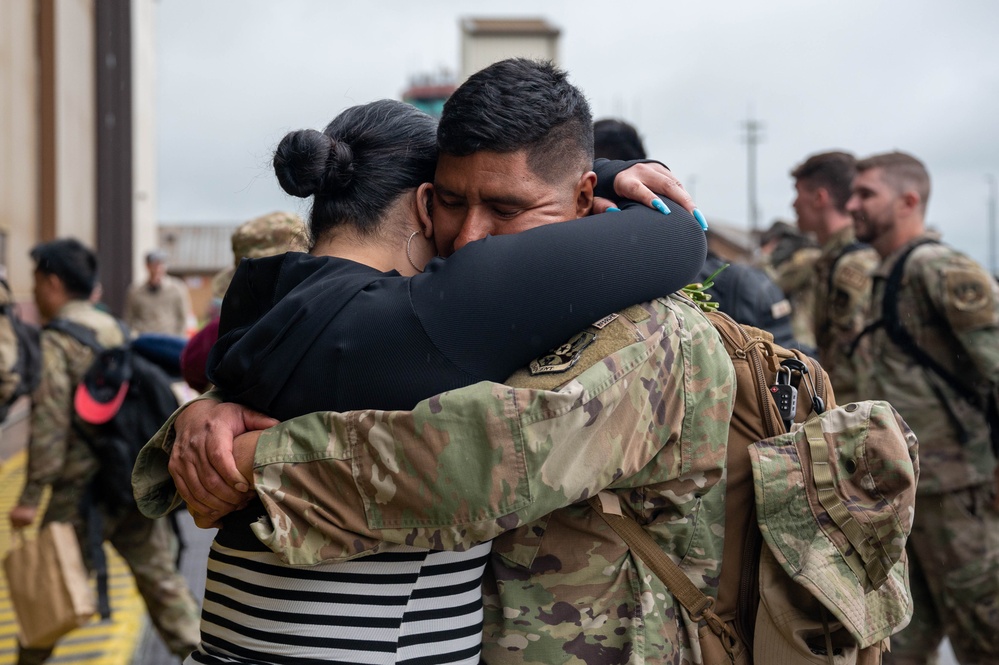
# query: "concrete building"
77,134
485,41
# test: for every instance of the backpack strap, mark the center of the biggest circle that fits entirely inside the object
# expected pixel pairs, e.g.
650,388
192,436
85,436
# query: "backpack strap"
697,604
77,331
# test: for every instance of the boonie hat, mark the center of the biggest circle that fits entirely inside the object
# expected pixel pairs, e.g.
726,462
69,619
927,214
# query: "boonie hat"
104,387
836,549
274,233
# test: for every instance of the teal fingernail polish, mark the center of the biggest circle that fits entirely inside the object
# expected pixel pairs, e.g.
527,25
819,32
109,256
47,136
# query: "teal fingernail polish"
699,216
660,206
613,209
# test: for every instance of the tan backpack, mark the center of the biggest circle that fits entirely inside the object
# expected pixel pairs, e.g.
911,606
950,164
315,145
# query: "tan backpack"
815,518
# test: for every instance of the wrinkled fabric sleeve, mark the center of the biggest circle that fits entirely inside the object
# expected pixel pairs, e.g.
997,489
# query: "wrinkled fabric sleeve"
152,485
50,421
462,467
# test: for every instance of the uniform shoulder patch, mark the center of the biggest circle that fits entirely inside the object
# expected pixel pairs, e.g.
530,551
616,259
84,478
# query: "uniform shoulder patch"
561,359
852,278
780,309
970,298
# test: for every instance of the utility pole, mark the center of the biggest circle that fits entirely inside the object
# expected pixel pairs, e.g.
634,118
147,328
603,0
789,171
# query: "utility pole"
754,135
991,180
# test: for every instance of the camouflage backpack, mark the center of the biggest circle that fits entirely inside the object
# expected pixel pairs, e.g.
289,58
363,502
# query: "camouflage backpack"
819,504
20,353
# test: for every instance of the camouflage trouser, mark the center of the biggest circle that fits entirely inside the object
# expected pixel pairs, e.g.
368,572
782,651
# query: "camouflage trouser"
149,547
954,577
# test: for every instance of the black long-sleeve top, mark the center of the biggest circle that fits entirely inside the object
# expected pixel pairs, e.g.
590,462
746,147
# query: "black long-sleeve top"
303,333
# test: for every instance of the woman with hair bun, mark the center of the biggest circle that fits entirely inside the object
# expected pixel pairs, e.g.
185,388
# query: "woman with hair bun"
369,318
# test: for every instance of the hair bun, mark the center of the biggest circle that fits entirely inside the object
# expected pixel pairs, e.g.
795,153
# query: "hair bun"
309,162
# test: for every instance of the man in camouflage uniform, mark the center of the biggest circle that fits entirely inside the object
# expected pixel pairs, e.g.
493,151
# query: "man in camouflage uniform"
788,259
274,233
161,304
59,457
8,347
950,306
841,273
643,412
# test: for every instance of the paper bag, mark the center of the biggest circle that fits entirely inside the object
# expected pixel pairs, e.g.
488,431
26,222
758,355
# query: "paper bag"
49,585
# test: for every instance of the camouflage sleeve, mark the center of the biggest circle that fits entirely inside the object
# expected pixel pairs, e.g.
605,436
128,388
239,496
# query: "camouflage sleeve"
152,485
462,467
8,348
51,411
968,297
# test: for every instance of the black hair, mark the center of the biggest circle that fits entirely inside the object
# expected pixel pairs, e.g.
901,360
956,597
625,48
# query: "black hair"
832,170
70,261
359,165
616,139
520,104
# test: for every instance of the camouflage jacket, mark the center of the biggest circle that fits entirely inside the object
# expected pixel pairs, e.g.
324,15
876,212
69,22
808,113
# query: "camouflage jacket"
841,303
57,455
950,305
796,278
648,419
8,348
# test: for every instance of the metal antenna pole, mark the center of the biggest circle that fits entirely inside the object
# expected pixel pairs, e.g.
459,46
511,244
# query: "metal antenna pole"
754,135
991,180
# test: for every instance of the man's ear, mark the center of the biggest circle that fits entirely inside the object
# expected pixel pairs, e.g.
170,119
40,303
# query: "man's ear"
425,208
821,197
584,193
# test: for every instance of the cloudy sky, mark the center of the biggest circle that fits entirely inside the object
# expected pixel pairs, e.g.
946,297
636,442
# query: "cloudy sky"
860,75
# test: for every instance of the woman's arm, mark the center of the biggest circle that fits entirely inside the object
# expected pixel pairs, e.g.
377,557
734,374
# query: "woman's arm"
500,302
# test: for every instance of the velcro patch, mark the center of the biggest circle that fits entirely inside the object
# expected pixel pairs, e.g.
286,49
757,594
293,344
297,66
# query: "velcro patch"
564,357
603,323
970,301
780,309
851,278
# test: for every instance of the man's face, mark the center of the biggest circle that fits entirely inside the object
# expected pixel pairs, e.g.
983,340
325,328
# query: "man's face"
805,207
491,193
873,205
44,290
156,271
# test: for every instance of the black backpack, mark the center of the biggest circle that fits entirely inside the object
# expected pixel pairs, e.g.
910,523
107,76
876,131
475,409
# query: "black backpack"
28,364
145,404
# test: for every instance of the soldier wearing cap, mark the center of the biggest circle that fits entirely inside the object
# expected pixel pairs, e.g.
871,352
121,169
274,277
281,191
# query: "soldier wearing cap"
161,304
274,233
59,457
949,307
790,261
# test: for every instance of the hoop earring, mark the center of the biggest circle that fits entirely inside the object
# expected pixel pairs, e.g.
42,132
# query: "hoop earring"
409,251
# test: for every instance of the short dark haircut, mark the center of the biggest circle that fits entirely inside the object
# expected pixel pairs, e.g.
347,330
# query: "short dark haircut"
834,171
616,139
70,261
358,166
520,104
901,171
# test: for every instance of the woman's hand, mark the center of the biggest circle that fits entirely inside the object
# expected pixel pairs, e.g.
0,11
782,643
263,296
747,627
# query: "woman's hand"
644,182
202,462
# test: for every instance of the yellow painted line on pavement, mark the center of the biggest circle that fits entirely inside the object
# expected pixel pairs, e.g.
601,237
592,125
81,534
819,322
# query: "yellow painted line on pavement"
110,642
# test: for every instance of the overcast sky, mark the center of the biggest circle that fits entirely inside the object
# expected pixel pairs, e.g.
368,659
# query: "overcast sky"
860,75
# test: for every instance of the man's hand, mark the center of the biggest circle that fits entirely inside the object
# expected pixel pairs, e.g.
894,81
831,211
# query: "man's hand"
642,182
23,516
202,463
244,447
